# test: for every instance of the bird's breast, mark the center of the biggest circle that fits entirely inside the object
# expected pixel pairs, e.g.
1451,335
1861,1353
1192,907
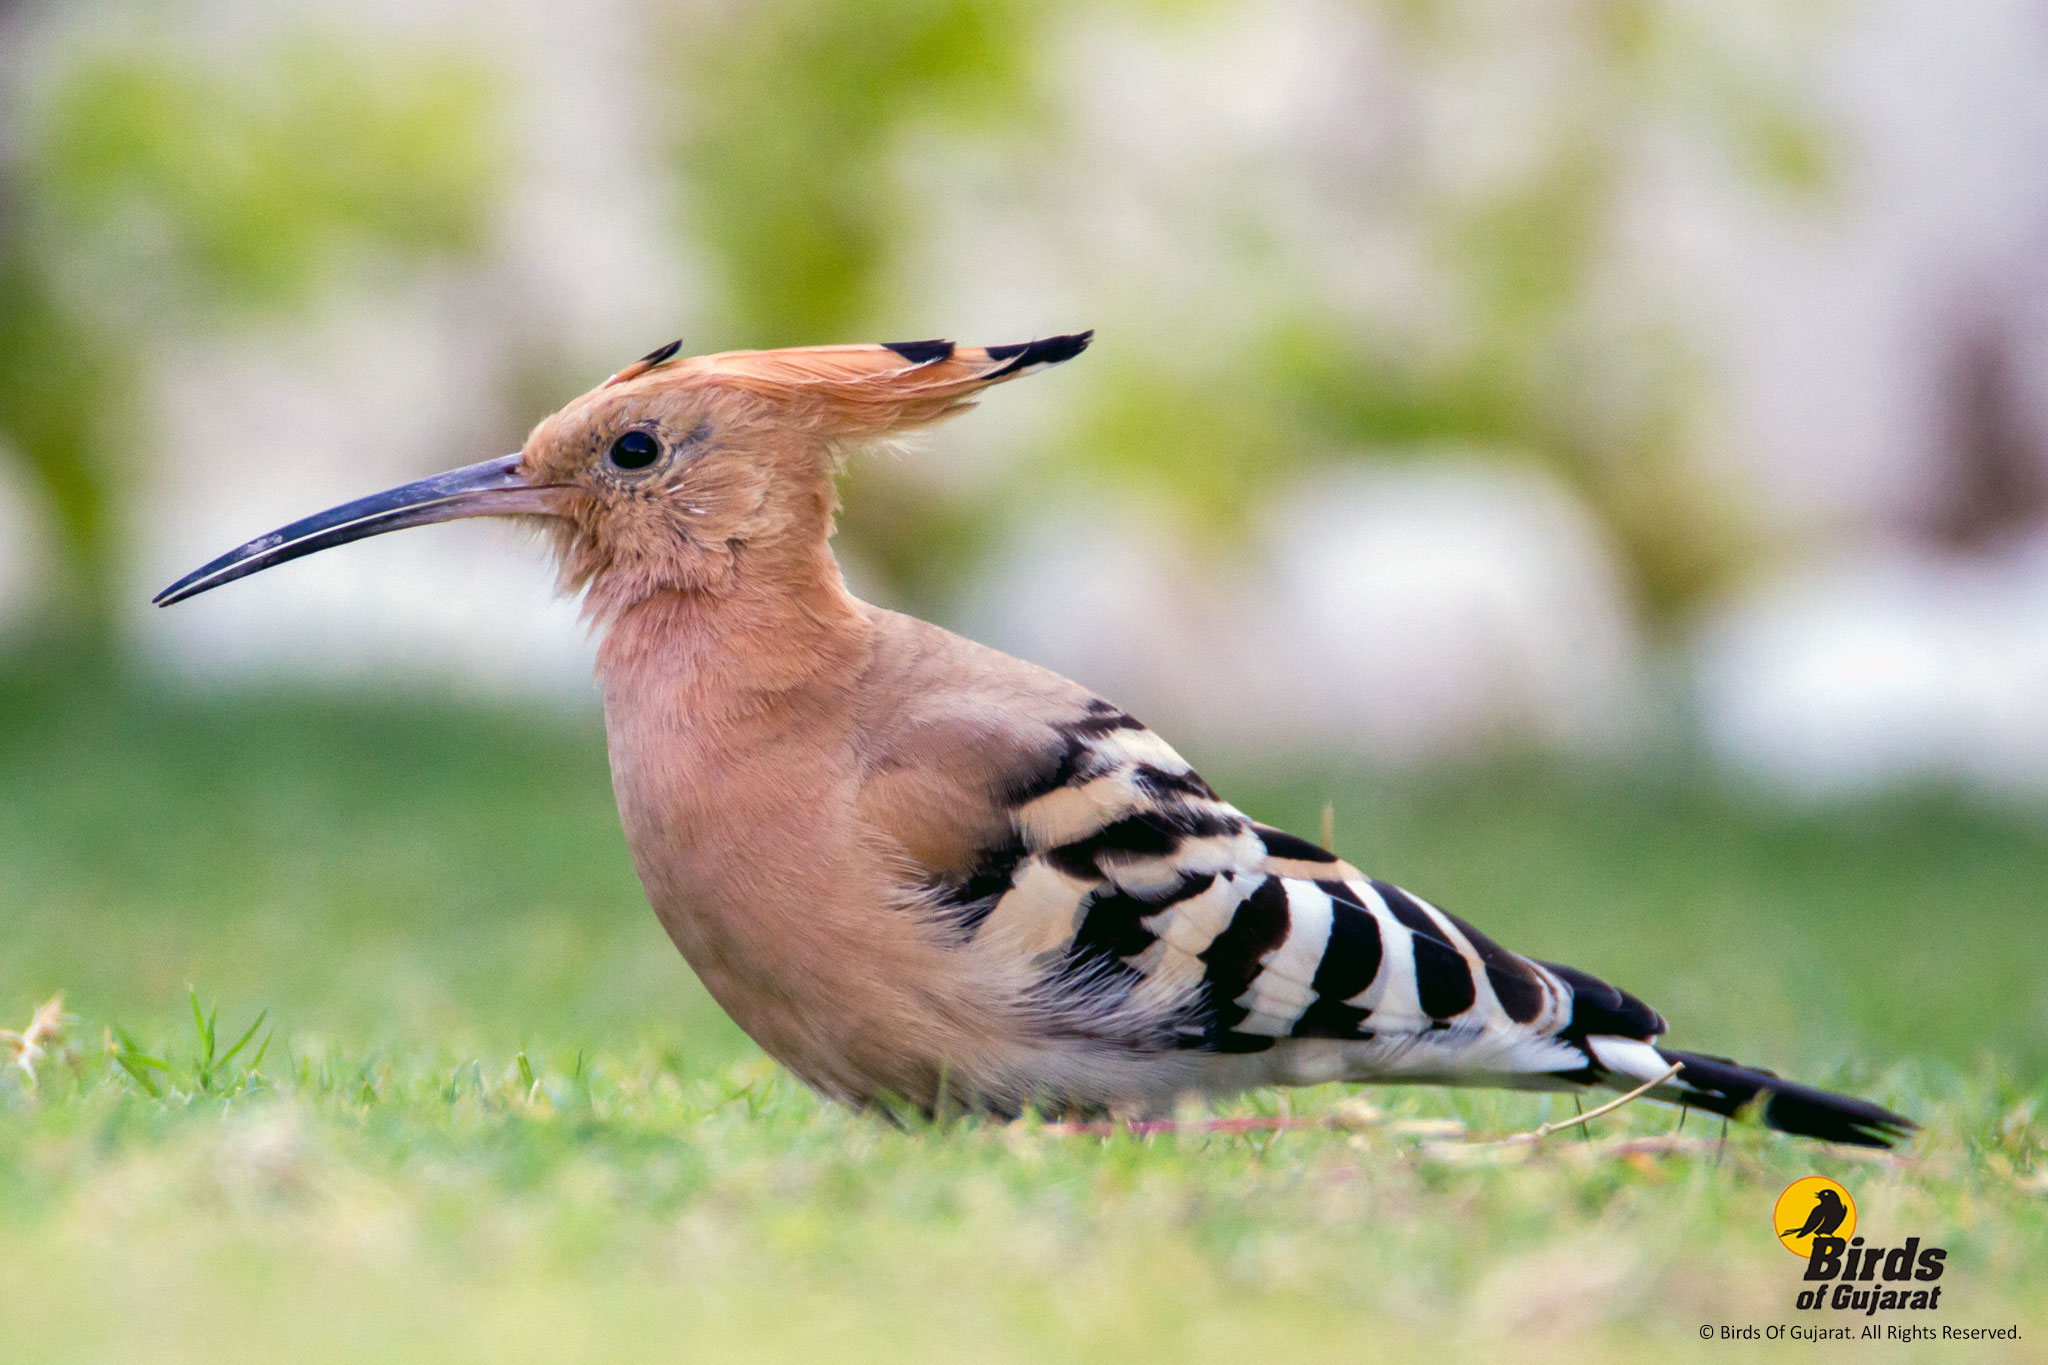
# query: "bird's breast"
795,911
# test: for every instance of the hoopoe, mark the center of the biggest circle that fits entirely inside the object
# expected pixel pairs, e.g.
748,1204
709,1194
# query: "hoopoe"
915,869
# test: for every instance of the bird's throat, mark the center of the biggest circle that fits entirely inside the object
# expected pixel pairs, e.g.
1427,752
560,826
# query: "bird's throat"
745,648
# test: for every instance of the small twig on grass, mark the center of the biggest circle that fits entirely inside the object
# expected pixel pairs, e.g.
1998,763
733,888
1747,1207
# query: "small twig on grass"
1283,1123
33,1043
1517,1146
1545,1130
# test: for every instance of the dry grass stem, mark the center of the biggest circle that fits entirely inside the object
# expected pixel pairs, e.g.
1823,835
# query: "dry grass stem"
1355,1115
1545,1130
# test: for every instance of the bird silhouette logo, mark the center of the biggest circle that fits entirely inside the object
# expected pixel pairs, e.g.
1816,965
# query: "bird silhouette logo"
1814,1206
1828,1213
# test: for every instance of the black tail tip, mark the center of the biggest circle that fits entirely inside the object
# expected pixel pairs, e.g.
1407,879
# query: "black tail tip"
1836,1118
1724,1087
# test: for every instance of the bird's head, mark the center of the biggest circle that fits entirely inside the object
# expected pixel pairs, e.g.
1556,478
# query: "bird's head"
696,474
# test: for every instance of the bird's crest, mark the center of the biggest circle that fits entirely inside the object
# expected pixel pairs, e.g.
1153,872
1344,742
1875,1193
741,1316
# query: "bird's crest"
863,389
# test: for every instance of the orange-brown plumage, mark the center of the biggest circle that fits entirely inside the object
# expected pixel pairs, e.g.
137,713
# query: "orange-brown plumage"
911,866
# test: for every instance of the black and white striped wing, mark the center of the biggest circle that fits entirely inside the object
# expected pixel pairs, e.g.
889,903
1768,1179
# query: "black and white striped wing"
1153,907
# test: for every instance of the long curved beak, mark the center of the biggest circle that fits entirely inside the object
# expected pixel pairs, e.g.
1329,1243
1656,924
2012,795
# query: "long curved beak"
492,488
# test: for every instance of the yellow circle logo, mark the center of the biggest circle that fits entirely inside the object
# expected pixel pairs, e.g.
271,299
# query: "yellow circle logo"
1811,1207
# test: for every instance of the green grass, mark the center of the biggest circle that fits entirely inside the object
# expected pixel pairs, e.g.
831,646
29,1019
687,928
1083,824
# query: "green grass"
489,1116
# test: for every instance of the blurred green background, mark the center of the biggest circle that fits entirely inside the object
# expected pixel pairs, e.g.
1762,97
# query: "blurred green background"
167,180
1597,451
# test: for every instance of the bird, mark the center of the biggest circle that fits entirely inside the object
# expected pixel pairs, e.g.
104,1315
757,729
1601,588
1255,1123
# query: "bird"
918,871
1828,1213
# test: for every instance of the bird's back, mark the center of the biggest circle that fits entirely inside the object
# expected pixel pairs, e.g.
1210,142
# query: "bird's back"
1162,923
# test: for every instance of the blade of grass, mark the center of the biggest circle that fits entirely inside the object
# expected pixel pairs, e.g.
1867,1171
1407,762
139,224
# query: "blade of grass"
243,1041
132,1059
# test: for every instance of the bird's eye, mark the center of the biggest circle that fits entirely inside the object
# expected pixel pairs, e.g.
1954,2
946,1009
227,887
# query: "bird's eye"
635,450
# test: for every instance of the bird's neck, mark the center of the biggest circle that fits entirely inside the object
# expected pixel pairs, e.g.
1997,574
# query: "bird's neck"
735,758
729,720
762,643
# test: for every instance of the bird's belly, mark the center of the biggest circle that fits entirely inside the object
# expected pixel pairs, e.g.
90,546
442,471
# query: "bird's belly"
796,1014
853,992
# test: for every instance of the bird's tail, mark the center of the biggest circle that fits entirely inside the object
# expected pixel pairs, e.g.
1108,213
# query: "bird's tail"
1616,1031
1724,1087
